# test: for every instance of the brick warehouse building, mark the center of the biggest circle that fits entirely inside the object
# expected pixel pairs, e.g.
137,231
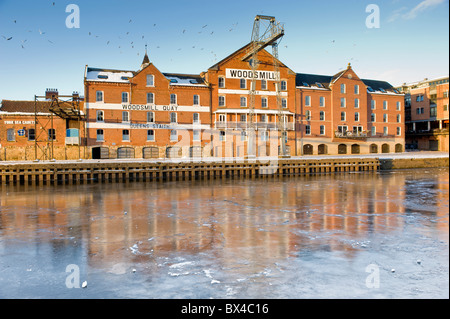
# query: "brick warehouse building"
151,114
145,114
343,114
141,114
31,130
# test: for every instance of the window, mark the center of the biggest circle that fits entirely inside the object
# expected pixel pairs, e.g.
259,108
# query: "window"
264,136
372,104
222,135
221,82
100,116
308,129
124,97
342,88
385,118
385,131
173,99
100,136
445,94
196,99
31,134
10,135
322,115
173,135
221,100
222,118
243,83
243,101
51,134
445,107
283,103
150,117
125,135
283,86
125,116
322,130
150,80
399,118
150,98
321,101
308,115
263,118
196,135
356,116
399,131
372,117
196,118
343,116
307,100
150,135
433,111
173,117
263,85
342,101
385,105
243,118
99,96
243,136
263,102
342,129
357,103
374,131
356,89
399,106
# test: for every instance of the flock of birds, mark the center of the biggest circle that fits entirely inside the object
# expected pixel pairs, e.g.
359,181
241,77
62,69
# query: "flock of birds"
124,41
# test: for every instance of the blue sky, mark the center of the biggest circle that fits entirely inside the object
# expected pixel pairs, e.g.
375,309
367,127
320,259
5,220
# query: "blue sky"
321,37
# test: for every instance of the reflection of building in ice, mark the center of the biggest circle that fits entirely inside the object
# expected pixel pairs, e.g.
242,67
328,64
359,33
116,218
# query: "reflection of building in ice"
229,220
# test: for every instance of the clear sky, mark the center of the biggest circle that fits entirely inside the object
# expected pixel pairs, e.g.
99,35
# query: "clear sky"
321,37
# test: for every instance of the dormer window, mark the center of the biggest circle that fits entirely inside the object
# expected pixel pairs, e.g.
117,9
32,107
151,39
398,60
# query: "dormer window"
101,76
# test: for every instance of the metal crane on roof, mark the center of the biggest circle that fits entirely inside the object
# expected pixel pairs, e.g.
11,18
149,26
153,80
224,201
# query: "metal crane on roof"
272,35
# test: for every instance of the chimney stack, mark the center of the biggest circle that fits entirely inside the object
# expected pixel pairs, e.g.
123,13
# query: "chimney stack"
51,94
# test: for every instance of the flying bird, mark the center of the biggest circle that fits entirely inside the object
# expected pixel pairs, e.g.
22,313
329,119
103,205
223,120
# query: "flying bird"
204,26
40,32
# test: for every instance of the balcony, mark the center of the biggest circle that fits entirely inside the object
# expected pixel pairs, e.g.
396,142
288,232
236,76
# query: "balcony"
351,135
259,125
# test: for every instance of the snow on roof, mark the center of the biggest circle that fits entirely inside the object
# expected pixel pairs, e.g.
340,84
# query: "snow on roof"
106,75
185,79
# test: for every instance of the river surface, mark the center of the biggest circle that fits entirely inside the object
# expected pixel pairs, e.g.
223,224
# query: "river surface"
350,235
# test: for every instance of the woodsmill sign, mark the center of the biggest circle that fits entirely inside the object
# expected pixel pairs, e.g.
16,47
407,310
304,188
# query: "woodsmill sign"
250,75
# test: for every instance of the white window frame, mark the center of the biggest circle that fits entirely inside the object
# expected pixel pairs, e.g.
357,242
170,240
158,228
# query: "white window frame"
100,116
151,117
126,117
322,101
357,117
385,131
322,129
173,136
322,116
153,136
152,95
307,100
173,99
222,97
102,97
126,95
243,99
221,82
196,118
343,102
373,131
356,89
283,85
150,80
385,104
198,100
263,84
343,88
242,83
356,103
171,115
125,135
307,129
264,102
345,116
100,137
399,131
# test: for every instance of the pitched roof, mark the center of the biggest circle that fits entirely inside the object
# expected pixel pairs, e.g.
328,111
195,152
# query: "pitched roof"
311,80
185,79
11,106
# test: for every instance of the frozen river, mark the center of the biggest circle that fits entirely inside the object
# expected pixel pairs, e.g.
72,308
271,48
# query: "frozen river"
352,235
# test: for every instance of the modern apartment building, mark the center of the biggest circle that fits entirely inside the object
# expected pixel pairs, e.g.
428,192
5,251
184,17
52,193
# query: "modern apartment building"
426,114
